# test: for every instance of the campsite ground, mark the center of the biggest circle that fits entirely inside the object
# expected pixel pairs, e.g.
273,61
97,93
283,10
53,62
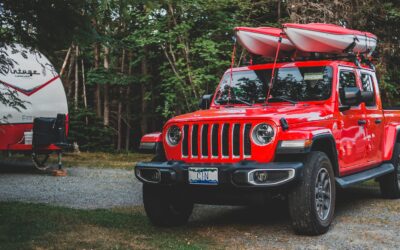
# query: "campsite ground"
96,207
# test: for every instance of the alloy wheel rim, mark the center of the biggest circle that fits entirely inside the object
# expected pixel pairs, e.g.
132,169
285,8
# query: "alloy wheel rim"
323,194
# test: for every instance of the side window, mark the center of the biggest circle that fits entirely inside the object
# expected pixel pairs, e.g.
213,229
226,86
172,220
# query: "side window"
368,85
347,78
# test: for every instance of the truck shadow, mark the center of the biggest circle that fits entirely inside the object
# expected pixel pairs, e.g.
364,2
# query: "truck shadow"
276,213
21,165
16,166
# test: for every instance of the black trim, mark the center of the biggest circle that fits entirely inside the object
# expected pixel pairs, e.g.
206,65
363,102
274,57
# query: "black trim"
147,147
292,151
284,124
395,141
176,172
280,150
372,173
151,148
334,161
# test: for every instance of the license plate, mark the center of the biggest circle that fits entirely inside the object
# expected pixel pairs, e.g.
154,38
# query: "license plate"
203,176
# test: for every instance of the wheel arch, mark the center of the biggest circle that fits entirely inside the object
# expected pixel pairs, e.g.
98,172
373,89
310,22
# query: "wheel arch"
323,142
326,143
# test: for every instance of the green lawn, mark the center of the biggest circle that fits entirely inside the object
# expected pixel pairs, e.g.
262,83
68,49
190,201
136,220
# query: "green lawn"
34,226
88,159
102,160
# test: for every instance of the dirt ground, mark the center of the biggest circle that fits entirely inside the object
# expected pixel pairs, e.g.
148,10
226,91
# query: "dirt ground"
363,219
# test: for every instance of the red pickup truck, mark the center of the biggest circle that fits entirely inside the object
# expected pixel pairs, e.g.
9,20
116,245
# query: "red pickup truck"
320,126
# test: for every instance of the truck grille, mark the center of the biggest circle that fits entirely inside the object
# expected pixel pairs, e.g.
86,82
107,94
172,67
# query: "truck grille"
216,140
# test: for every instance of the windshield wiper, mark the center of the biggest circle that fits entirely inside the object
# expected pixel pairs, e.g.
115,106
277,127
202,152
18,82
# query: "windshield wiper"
281,98
220,101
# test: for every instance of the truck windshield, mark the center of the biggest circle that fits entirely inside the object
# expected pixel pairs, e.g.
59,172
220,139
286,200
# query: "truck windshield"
291,84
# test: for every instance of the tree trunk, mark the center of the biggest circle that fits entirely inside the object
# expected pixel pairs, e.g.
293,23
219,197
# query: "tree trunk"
106,114
70,70
143,121
128,106
76,78
119,112
127,114
84,90
65,61
97,93
279,10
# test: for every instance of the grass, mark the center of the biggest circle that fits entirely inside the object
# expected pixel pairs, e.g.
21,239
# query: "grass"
103,160
93,159
34,226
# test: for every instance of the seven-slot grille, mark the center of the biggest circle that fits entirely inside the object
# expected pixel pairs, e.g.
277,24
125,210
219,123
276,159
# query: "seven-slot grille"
216,140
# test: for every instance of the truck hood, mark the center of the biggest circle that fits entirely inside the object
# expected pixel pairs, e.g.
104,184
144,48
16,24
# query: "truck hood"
292,113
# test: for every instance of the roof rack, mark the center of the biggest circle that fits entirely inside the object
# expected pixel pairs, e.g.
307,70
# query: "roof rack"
356,59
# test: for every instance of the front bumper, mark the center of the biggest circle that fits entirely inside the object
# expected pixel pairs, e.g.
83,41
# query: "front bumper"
237,175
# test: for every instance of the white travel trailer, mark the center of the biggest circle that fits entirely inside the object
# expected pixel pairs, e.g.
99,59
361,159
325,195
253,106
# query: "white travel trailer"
42,126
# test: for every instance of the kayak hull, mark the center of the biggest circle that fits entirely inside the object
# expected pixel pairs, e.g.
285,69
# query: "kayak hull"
259,42
321,41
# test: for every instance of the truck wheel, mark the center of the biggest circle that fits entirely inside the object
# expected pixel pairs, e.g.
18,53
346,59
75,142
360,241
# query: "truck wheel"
312,202
390,183
166,206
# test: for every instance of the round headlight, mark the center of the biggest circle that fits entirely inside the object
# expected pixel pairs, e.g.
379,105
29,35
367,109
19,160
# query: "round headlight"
262,134
174,135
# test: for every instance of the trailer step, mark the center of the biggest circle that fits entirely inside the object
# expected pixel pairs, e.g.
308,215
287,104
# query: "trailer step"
372,173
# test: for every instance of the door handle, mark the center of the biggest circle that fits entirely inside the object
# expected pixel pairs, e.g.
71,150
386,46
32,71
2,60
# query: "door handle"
362,122
378,121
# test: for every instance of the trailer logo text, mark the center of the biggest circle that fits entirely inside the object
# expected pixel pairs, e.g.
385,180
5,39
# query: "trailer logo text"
24,72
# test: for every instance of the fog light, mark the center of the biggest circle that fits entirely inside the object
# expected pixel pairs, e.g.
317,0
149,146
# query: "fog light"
260,176
150,175
155,176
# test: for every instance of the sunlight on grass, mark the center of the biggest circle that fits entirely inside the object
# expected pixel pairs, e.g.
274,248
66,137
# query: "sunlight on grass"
102,160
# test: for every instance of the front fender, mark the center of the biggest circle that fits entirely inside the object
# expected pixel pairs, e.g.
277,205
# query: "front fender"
315,139
150,143
309,134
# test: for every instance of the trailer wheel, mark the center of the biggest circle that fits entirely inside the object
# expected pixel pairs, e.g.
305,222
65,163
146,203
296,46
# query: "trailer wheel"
40,160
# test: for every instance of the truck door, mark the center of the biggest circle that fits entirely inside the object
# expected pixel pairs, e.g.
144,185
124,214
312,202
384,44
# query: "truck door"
374,117
352,126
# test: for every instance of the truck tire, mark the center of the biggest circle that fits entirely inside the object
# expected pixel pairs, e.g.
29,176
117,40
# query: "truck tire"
166,206
390,183
312,201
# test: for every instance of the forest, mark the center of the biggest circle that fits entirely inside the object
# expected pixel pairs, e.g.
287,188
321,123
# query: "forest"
129,65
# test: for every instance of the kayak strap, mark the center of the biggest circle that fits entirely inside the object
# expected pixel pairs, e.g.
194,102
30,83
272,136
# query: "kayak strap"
353,44
231,73
271,83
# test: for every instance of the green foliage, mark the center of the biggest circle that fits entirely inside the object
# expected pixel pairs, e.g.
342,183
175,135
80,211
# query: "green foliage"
48,25
92,137
174,51
102,76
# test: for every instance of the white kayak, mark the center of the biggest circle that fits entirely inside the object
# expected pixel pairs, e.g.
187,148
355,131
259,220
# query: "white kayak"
263,41
329,38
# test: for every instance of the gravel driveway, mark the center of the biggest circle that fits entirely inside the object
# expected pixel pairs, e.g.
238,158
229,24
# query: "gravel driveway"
86,188
363,220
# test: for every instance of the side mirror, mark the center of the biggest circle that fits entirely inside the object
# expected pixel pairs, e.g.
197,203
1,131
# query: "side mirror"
205,102
349,96
367,96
